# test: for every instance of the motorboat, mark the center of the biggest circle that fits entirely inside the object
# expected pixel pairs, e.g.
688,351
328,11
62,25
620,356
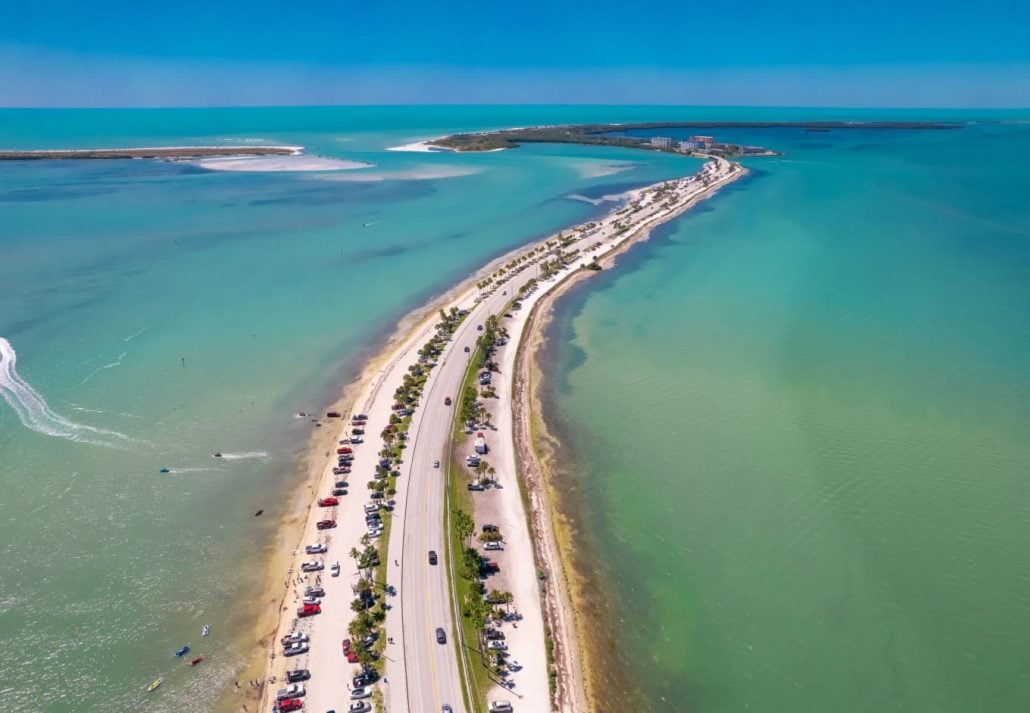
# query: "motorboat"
194,662
183,651
206,630
165,470
154,684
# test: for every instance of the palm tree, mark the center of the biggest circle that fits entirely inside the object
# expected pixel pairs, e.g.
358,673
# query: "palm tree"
355,555
492,472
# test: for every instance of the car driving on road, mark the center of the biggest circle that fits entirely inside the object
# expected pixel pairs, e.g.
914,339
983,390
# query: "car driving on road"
441,637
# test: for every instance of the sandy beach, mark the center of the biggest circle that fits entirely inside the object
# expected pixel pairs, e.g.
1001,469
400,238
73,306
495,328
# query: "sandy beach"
372,394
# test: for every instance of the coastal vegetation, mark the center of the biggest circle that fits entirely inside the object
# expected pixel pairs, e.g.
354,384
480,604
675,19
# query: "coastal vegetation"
615,134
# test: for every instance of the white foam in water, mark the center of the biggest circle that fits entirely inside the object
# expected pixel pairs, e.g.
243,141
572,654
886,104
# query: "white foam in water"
34,412
245,455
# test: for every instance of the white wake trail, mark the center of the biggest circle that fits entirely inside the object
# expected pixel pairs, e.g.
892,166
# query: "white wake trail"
34,413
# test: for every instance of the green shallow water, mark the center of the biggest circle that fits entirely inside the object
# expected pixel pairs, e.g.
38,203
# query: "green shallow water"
194,311
795,429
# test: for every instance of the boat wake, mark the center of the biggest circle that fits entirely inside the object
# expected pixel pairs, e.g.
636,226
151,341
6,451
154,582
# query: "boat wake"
246,455
112,365
34,413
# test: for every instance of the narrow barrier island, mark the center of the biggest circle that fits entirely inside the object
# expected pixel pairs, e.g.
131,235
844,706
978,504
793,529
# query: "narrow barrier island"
166,152
615,135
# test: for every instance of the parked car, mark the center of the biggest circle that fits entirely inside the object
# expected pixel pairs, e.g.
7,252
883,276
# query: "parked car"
291,704
298,674
312,566
310,599
363,692
497,645
441,637
327,502
295,649
295,638
339,491
359,707
309,610
315,549
494,634
365,678
432,557
314,592
493,546
346,645
294,690
335,569
491,528
326,524
500,707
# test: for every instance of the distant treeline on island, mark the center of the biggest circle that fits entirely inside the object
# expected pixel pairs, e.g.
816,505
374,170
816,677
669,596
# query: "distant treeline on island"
605,134
155,152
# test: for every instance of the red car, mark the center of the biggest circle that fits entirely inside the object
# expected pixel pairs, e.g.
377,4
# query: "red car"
327,502
346,646
326,524
291,704
342,451
309,610
352,657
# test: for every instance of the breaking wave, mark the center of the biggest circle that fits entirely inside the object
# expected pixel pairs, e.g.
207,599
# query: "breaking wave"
34,413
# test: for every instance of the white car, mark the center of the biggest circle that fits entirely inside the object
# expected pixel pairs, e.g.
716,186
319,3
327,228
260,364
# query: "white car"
312,566
294,649
359,707
500,707
294,690
361,693
316,549
493,546
497,646
335,569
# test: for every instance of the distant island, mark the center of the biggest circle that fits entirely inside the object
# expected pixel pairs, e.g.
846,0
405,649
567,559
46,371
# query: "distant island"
609,135
167,152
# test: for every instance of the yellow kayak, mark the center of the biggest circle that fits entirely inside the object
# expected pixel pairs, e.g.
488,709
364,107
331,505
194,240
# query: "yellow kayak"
154,684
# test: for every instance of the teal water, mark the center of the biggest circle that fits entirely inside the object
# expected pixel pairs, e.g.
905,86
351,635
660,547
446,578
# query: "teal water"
160,312
796,429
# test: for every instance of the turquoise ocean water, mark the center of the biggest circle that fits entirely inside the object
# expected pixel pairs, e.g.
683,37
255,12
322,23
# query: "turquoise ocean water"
797,434
160,312
820,379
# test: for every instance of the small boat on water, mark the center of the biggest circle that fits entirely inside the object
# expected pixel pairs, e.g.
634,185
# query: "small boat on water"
206,630
217,455
183,651
165,470
258,513
154,684
194,662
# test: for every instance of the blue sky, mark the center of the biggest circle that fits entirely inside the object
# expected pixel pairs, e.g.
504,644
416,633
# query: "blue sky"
790,52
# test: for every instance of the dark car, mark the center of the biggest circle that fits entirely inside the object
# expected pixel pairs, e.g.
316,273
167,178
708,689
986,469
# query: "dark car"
339,491
298,674
491,528
441,637
326,524
494,634
366,678
432,557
